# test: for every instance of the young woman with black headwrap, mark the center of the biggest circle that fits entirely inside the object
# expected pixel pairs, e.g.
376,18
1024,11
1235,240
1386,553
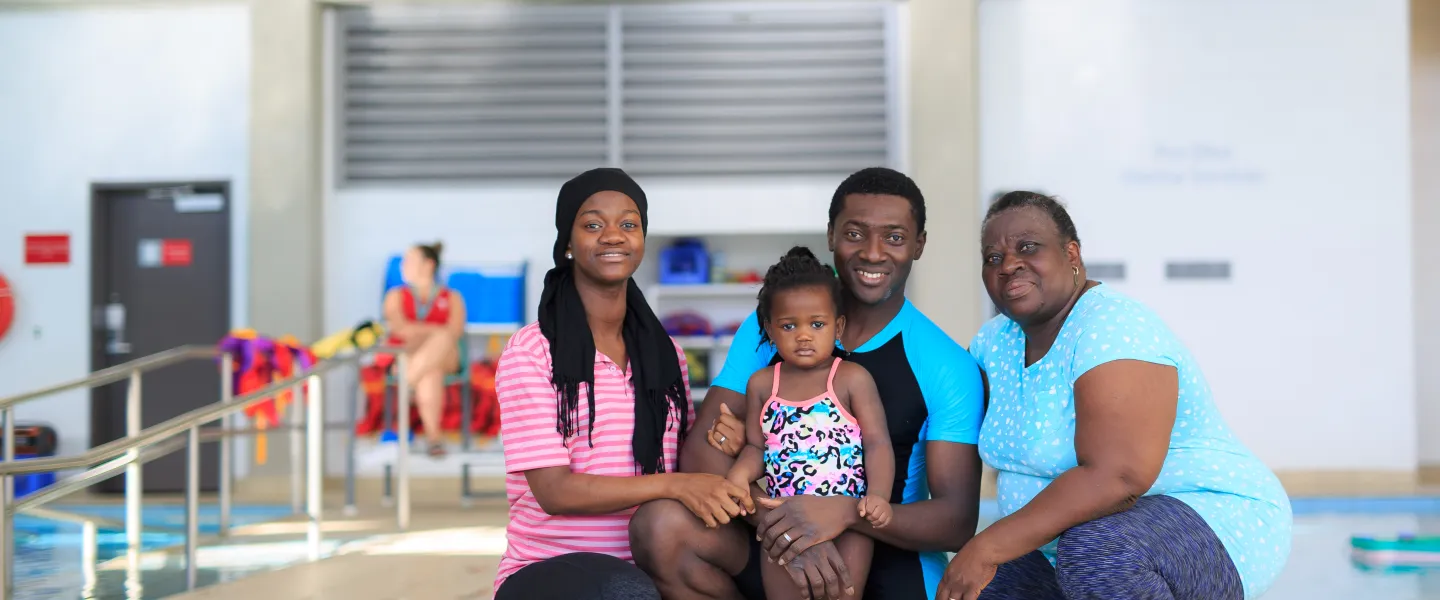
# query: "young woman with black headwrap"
594,401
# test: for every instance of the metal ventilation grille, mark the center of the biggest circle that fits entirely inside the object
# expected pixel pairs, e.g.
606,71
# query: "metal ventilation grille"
444,94
754,90
463,94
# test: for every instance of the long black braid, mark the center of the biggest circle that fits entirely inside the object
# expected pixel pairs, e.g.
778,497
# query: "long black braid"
798,268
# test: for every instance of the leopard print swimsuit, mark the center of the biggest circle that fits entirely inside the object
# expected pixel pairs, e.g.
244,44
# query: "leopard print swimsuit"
812,447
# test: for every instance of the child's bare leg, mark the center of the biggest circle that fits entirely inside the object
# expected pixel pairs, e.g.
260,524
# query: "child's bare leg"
855,549
778,584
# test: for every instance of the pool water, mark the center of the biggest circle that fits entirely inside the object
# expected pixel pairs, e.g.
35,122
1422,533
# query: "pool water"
1320,566
32,532
48,555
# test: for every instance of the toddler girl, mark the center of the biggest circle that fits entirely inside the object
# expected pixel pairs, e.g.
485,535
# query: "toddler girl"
807,414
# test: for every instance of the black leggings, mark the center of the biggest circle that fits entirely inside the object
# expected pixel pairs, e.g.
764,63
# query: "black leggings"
579,576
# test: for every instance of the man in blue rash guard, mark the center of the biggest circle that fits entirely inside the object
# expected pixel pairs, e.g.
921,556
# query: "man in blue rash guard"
933,395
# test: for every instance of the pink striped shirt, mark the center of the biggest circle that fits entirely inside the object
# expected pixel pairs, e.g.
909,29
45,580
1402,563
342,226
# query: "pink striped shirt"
527,428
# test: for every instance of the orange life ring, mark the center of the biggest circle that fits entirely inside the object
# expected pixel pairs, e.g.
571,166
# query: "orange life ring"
7,307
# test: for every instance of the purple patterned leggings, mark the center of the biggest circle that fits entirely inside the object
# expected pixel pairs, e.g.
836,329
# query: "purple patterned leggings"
1160,549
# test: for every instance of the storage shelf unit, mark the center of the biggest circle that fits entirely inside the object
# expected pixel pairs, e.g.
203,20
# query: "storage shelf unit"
707,290
705,342
723,304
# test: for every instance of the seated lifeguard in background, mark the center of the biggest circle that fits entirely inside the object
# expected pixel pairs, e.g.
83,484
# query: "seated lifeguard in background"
428,320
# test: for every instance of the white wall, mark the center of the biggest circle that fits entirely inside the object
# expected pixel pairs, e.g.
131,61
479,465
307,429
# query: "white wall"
106,95
1302,108
363,227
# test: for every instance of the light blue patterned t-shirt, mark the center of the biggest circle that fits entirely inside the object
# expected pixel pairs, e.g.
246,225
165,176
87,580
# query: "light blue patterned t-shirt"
1029,429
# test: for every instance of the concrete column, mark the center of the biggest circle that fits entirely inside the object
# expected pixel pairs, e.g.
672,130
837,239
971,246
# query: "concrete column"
285,161
1425,222
944,160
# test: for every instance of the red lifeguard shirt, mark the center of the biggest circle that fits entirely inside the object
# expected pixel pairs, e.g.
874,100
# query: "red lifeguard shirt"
435,312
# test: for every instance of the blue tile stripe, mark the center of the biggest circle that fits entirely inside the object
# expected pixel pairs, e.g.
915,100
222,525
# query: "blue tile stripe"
1367,505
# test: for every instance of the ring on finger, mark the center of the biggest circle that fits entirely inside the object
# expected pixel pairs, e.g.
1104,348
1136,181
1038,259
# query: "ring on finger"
787,538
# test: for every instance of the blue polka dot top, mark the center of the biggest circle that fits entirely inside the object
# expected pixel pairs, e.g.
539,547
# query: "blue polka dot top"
1028,433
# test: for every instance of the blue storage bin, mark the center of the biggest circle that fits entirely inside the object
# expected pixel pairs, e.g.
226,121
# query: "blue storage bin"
685,262
30,483
492,293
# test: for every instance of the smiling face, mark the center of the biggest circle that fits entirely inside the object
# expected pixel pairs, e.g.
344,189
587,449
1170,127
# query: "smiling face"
606,241
1029,269
875,240
803,325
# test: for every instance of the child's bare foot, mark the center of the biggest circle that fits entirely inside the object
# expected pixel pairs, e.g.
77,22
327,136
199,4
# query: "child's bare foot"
875,510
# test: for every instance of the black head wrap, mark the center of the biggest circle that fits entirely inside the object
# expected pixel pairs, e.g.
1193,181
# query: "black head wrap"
654,364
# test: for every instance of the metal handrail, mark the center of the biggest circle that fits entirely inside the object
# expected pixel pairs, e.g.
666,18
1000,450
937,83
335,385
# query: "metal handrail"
142,445
118,372
79,519
90,477
130,370
172,427
31,505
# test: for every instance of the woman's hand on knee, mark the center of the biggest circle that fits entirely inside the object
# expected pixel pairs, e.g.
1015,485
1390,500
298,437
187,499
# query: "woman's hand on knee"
968,573
714,499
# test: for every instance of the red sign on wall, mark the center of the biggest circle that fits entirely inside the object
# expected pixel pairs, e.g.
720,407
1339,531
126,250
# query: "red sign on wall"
176,253
47,249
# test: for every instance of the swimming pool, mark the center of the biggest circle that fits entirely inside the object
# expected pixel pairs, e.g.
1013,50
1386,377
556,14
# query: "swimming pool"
1320,566
48,554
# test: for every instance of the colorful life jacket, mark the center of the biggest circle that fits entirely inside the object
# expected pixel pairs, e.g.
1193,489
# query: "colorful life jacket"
260,362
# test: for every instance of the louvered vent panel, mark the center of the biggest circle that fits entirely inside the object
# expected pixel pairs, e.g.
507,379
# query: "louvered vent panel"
750,90
447,94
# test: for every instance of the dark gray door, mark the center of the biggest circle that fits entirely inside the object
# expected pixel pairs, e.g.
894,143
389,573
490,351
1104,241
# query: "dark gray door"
160,279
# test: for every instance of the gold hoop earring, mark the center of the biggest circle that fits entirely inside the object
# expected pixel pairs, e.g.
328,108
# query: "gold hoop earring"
1077,275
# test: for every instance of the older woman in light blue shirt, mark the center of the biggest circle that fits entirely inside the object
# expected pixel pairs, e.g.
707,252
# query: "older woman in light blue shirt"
1118,477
